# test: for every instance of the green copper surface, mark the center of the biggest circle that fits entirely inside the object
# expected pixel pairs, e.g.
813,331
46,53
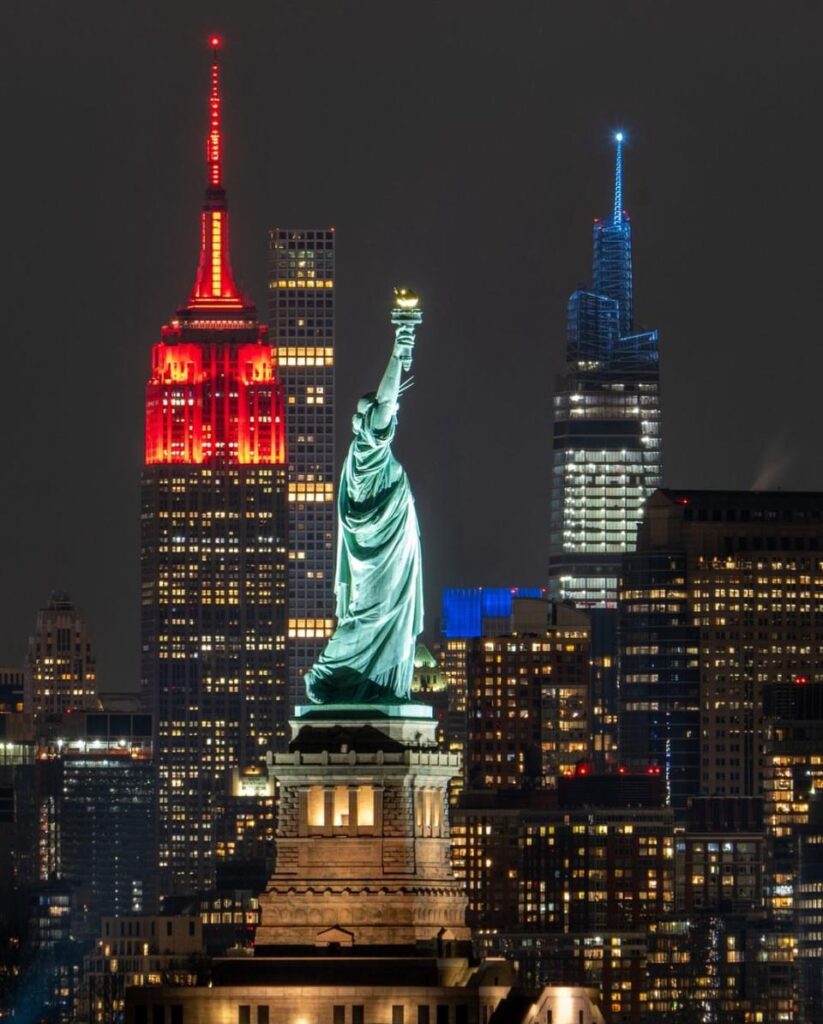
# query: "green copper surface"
369,659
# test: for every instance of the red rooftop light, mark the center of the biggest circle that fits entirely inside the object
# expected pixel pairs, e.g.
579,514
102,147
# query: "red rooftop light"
215,41
801,680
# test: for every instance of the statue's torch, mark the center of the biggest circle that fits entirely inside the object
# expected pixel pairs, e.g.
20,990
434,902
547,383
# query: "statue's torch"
405,316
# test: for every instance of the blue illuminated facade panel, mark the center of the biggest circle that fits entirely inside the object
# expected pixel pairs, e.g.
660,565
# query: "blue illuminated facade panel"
465,608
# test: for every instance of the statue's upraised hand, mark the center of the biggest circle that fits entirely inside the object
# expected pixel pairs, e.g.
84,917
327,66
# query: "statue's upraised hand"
403,350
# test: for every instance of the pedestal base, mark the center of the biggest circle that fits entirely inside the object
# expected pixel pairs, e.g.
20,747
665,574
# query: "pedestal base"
362,838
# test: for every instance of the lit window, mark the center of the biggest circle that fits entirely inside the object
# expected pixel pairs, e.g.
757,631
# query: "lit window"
316,807
365,806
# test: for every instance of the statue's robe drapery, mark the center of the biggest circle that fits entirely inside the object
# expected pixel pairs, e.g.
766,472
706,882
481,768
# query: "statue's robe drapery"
370,656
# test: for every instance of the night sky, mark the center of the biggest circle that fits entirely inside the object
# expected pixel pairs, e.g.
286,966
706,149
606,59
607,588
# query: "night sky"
458,146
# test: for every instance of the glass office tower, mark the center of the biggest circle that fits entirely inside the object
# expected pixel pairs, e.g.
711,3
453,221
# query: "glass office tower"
606,450
607,456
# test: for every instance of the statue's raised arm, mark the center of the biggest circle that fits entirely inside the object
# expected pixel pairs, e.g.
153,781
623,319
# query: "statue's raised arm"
369,659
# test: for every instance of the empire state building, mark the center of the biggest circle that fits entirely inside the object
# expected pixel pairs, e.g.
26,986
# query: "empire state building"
213,558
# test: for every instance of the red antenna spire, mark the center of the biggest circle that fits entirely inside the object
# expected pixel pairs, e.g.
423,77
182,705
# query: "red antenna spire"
214,287
214,142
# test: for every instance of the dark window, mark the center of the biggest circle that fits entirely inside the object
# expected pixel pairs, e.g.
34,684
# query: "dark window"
141,1014
338,1015
243,1015
422,1015
357,1015
168,927
442,1014
158,1015
397,1015
461,1013
262,1015
191,927
177,1013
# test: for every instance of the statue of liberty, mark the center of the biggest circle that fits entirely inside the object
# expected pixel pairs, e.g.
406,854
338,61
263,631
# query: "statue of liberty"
369,659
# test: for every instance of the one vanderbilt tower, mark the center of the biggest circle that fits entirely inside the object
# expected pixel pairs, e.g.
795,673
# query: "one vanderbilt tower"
607,456
213,554
606,450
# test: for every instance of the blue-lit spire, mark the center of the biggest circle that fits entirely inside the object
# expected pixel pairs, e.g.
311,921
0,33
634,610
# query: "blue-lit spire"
618,178
612,250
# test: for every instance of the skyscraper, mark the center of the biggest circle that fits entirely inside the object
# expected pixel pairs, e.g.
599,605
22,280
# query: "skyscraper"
606,450
566,882
719,622
96,807
607,457
60,670
527,698
301,320
213,547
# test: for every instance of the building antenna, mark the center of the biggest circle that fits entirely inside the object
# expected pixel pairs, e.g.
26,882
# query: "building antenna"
618,178
214,141
214,286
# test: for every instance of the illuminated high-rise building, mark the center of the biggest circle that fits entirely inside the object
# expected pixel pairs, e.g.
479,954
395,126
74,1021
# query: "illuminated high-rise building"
516,671
606,450
95,808
301,320
528,710
719,621
567,881
60,671
213,549
607,457
468,613
792,781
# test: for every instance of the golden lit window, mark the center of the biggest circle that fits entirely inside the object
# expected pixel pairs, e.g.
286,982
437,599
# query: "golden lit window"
316,807
341,806
365,806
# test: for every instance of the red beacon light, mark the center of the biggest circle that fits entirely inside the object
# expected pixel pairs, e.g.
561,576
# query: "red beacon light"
682,501
801,680
215,42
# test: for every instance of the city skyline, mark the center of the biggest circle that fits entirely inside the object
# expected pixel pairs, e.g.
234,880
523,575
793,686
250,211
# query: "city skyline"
414,219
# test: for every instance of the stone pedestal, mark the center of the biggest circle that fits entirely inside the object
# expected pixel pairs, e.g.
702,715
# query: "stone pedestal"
363,836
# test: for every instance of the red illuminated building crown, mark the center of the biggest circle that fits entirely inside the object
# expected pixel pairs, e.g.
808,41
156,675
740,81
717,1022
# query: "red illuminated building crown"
213,395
